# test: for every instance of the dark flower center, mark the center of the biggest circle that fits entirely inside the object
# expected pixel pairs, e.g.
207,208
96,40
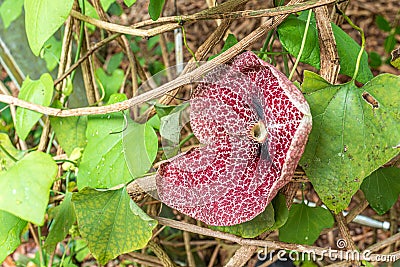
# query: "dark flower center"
259,132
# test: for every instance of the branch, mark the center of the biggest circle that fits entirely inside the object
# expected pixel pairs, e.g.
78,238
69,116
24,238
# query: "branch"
215,13
266,244
180,81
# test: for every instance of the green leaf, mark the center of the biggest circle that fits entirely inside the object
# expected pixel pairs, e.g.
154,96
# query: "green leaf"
155,8
52,53
42,19
103,163
10,232
140,147
6,150
111,83
305,224
375,60
291,33
129,3
355,131
229,42
382,23
106,4
115,98
250,229
152,42
114,62
63,218
170,128
10,10
38,92
163,110
111,223
390,43
382,189
70,132
25,187
281,211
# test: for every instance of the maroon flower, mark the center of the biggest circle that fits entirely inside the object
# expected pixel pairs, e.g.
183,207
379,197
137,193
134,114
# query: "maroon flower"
253,124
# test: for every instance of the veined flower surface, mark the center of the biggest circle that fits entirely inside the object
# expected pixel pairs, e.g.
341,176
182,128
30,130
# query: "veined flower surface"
253,124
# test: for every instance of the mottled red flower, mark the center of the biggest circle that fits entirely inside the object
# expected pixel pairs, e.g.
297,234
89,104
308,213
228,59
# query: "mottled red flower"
252,123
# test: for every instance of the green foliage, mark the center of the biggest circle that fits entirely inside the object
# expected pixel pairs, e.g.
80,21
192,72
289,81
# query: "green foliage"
291,33
10,10
382,188
375,59
114,62
52,53
46,15
155,8
305,224
63,218
110,83
38,92
8,153
129,3
229,42
273,217
10,232
252,228
103,164
140,145
382,23
70,132
355,131
170,129
25,187
111,222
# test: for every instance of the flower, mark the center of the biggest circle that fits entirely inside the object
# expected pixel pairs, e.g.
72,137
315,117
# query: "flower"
253,124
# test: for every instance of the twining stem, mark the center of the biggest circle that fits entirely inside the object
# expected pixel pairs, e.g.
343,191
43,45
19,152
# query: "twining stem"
362,43
303,42
81,35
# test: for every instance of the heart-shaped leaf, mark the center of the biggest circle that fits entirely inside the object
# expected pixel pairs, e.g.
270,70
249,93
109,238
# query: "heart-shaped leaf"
25,187
111,223
103,164
382,189
10,10
110,83
356,130
291,33
38,92
46,15
10,233
305,224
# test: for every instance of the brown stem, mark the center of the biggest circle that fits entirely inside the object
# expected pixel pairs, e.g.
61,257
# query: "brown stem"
345,233
45,135
189,255
161,254
329,56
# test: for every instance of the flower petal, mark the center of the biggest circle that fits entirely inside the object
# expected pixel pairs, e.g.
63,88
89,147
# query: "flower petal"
234,177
